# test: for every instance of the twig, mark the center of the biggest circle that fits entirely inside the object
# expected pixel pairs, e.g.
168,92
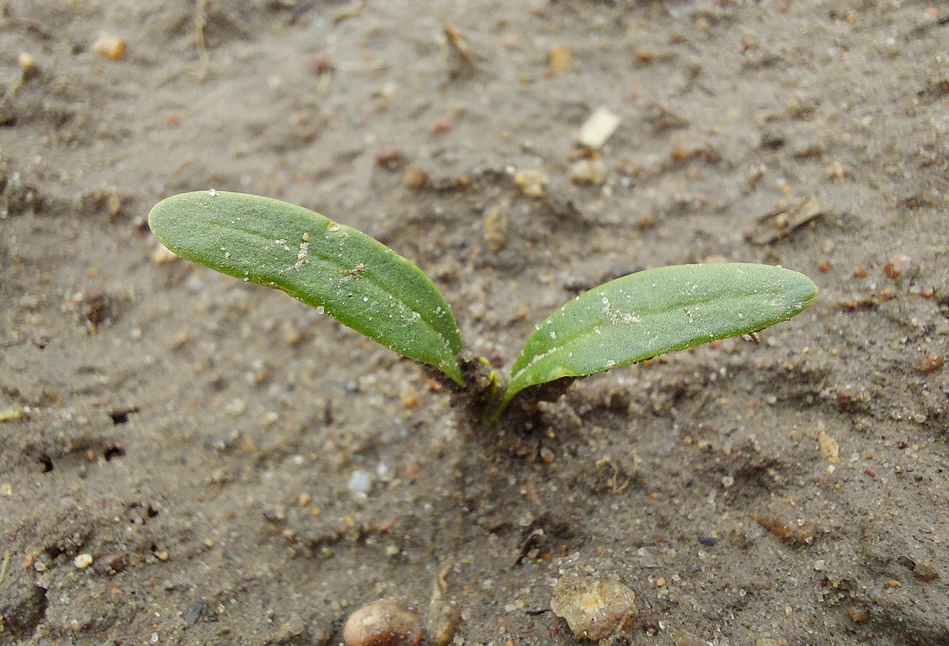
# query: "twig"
200,21
6,563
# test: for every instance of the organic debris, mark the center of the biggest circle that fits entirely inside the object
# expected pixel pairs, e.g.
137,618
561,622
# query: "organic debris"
783,219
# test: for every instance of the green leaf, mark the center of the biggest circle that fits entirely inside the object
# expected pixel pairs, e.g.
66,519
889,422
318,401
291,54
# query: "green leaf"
334,268
655,311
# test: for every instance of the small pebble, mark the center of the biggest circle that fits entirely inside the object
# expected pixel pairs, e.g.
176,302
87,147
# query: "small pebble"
110,46
360,482
598,128
531,182
594,608
558,60
83,561
930,362
162,255
414,178
829,449
383,623
897,265
926,571
27,64
495,228
442,620
588,172
389,157
688,145
857,614
441,126
193,611
321,63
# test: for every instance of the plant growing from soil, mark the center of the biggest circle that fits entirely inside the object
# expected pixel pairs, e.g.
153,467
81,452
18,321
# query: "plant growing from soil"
368,287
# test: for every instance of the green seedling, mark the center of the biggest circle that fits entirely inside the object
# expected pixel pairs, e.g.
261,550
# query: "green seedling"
368,287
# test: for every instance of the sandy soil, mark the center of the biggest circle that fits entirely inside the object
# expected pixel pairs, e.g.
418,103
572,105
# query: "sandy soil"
185,458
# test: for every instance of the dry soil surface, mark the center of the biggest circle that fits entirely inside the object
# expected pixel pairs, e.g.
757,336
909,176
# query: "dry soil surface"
185,458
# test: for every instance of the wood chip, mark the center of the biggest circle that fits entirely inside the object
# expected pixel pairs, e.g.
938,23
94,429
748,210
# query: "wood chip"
783,219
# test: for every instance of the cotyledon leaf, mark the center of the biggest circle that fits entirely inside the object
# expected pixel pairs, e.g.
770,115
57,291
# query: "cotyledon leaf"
655,311
353,278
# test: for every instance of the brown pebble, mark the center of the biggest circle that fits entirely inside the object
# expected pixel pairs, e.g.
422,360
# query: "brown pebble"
109,46
792,532
414,178
926,571
687,145
897,265
651,622
870,472
321,63
441,126
858,614
859,271
388,157
110,564
383,623
930,362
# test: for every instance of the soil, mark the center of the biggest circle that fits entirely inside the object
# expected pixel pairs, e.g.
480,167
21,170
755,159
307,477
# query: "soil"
188,459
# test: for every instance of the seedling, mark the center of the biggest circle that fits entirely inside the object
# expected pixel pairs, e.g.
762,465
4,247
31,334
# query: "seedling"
368,287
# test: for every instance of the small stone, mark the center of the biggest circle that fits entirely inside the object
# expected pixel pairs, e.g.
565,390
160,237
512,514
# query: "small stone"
857,614
930,362
531,182
27,64
414,178
162,255
926,571
294,626
360,482
897,265
389,157
688,145
83,561
6,489
110,564
193,612
235,407
442,621
110,46
383,623
495,228
598,128
559,60
588,172
829,449
594,608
